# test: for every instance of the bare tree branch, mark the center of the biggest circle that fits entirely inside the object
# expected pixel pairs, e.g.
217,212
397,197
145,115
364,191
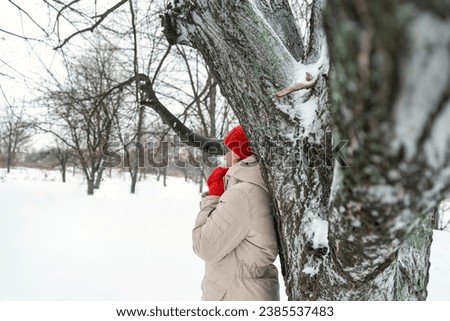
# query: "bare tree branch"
92,28
19,36
28,15
162,60
64,8
297,87
189,137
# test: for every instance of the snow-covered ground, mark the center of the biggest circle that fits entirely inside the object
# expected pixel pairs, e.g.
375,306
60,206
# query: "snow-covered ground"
56,243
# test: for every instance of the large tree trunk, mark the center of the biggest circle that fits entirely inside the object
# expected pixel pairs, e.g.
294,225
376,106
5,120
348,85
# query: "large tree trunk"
8,164
10,156
384,53
63,174
98,179
90,186
352,234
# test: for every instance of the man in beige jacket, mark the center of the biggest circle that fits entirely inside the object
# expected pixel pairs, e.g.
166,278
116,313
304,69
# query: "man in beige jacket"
234,232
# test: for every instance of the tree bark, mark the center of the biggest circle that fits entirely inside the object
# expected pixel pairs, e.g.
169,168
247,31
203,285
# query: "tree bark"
352,233
98,179
398,165
413,264
8,164
90,187
63,173
279,16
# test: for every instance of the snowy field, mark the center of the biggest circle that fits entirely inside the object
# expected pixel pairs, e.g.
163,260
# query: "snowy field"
56,243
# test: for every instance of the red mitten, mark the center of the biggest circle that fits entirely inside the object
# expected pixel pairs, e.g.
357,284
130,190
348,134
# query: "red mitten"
215,181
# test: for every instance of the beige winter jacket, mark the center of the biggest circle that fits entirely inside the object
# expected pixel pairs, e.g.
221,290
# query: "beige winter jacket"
235,235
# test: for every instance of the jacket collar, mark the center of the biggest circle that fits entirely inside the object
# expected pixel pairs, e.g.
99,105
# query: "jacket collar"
246,170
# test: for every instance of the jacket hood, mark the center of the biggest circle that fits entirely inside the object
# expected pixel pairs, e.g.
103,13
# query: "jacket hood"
248,170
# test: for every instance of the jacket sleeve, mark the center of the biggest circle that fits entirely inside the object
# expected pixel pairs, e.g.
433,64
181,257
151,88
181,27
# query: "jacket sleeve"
221,225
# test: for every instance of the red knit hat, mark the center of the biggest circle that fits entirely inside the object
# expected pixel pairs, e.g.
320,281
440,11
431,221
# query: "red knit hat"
237,141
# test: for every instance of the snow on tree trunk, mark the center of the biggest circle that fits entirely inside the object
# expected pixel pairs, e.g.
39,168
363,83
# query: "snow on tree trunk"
342,235
390,95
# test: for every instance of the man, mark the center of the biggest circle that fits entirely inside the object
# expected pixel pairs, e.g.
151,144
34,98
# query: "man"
234,232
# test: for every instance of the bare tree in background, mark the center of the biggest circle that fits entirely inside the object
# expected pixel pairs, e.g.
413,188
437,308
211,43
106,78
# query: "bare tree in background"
14,134
83,108
441,216
63,154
